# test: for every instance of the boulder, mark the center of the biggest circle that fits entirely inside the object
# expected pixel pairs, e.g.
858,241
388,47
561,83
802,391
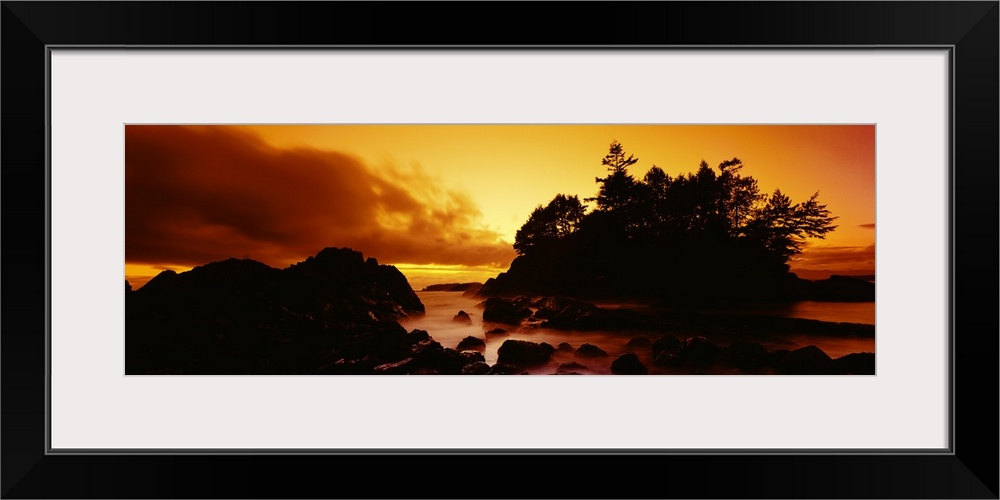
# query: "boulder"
431,355
639,343
667,359
498,310
462,317
524,353
471,343
698,350
565,347
590,351
809,360
628,364
497,331
562,309
575,315
667,343
473,357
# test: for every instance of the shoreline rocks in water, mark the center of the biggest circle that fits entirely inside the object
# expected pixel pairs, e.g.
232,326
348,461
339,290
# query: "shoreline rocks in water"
471,343
338,313
628,364
524,353
508,312
240,316
462,317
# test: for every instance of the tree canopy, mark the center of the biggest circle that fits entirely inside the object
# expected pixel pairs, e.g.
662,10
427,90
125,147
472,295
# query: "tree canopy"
546,225
708,230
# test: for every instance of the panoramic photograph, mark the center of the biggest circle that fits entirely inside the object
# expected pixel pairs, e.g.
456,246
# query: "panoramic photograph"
500,250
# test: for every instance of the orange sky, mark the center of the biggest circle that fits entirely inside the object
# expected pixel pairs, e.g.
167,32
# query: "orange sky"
443,202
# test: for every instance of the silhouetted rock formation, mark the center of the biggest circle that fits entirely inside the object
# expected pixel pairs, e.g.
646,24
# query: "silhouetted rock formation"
471,343
667,343
242,316
698,350
462,317
639,343
524,353
453,287
498,310
628,364
590,351
665,358
569,314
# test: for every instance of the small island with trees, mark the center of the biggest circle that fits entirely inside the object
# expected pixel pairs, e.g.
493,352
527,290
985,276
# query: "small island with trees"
708,236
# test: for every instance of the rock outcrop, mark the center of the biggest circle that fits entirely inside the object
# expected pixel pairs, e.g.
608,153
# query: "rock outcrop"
462,317
471,343
628,364
240,316
499,310
524,353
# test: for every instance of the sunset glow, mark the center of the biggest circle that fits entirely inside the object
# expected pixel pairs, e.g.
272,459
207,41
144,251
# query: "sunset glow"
443,202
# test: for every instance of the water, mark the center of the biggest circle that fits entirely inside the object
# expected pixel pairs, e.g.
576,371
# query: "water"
837,312
441,307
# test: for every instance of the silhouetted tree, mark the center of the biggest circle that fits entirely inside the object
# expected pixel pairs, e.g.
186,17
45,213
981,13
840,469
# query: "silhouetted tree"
546,225
617,190
782,227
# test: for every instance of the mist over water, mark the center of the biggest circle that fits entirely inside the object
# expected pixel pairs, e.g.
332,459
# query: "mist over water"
441,308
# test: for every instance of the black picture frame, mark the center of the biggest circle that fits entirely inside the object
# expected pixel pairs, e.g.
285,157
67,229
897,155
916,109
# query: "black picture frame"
969,28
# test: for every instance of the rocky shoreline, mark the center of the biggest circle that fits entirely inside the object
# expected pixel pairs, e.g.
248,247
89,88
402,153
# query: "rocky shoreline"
339,313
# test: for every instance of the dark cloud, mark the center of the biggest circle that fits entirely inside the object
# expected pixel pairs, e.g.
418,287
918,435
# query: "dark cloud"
199,194
867,226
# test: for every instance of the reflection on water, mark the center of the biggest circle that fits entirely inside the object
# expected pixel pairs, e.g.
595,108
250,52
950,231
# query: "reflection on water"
441,307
